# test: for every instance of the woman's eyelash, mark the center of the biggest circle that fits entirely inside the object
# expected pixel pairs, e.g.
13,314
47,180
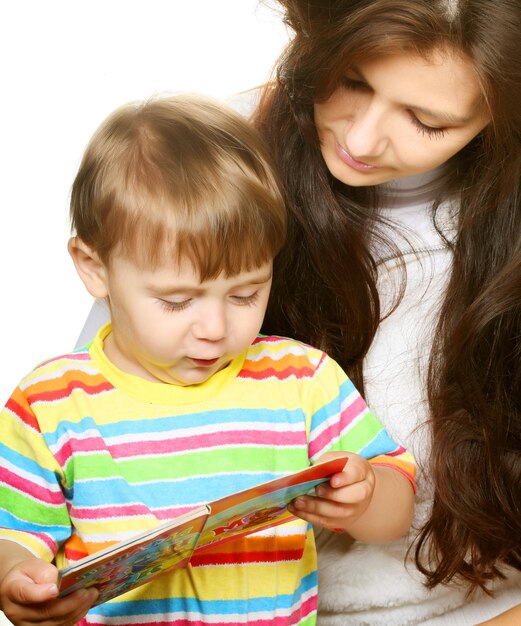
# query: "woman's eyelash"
351,83
423,129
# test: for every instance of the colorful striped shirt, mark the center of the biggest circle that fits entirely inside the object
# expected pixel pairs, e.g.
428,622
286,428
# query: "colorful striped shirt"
91,455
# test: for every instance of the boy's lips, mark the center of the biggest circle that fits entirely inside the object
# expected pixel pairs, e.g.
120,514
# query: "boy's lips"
204,362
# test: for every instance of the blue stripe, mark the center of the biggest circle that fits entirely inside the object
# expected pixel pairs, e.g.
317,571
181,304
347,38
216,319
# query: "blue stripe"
27,465
187,492
7,520
332,408
381,444
244,416
205,607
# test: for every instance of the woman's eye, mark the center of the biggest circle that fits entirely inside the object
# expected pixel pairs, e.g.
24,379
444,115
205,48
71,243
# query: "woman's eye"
246,300
429,131
352,83
171,306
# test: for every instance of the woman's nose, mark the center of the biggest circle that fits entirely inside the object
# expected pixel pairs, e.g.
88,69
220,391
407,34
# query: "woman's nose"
366,134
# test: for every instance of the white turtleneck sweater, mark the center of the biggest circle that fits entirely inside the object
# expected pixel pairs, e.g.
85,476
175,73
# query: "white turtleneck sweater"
369,584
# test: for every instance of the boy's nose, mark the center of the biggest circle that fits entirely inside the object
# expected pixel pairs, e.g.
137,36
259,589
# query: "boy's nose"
211,324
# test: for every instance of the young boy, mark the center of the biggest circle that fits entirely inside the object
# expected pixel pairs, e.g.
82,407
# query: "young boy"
178,401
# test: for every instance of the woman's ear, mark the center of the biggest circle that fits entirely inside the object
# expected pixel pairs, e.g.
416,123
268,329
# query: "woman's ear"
92,271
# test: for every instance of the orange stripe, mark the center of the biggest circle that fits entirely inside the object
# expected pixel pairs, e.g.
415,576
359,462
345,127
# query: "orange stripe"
278,364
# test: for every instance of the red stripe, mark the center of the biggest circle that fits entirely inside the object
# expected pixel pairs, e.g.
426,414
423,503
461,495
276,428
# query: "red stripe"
25,415
200,559
74,555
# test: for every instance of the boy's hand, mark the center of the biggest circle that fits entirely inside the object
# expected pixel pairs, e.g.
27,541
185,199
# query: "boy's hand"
346,497
29,595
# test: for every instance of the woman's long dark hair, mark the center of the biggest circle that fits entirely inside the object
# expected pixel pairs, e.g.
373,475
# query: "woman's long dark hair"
325,292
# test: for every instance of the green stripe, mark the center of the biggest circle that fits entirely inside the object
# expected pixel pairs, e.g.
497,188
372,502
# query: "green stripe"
175,466
37,512
361,434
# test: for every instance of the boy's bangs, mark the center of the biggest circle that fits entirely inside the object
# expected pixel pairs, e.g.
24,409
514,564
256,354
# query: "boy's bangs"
236,228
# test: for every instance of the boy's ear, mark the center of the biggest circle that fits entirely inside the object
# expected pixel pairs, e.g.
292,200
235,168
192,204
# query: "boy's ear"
92,271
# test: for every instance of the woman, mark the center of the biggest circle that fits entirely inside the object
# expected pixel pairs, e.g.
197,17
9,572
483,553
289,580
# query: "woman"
397,128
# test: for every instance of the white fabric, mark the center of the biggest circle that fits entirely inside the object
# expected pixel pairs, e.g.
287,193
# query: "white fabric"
368,584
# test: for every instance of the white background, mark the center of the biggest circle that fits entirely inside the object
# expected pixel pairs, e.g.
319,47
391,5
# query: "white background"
65,65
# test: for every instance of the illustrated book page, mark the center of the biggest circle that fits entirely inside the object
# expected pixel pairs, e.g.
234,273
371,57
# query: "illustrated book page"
169,546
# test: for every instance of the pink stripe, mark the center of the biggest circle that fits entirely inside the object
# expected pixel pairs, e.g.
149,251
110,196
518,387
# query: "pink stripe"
181,444
130,511
399,451
409,477
176,444
303,612
74,446
337,428
282,340
270,339
79,356
47,540
27,487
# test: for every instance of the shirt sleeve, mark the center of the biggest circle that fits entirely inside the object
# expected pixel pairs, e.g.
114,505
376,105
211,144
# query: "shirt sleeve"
340,420
33,510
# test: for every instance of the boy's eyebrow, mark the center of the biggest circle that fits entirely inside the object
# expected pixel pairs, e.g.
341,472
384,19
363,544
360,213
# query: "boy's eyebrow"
257,280
254,280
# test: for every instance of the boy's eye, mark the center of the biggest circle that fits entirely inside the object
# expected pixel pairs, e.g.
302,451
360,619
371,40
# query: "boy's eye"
170,305
246,299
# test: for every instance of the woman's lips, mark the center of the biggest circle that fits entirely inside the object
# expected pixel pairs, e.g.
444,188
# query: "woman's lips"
360,166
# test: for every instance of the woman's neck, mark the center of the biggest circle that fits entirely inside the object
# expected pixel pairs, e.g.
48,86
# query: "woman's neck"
412,190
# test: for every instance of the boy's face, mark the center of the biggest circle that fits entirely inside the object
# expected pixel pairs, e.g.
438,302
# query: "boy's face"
170,327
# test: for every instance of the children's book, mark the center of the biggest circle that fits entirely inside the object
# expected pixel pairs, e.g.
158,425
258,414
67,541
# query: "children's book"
169,546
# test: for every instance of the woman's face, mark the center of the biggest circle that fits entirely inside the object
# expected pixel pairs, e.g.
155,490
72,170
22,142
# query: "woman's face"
398,116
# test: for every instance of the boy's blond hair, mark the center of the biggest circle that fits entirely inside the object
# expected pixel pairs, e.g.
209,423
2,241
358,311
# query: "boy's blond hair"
180,177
